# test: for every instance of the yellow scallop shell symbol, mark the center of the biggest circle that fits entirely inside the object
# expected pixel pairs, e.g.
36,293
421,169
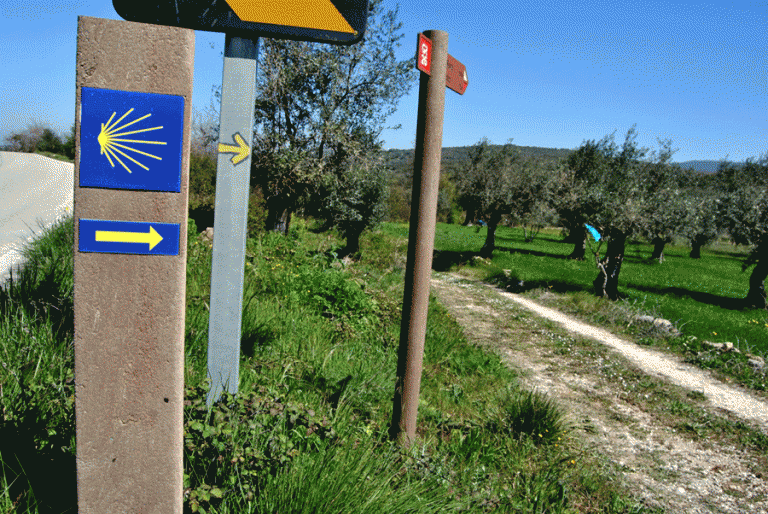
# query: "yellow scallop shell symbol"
111,137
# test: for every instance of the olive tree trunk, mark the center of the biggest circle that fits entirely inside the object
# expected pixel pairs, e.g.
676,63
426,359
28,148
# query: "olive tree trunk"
607,282
470,217
353,244
658,249
578,237
756,296
696,243
490,238
278,219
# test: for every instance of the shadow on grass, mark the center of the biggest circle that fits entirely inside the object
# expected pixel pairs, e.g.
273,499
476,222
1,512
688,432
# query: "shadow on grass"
43,287
556,286
566,287
724,302
259,336
532,252
443,260
724,254
43,293
331,390
636,257
50,473
558,240
33,446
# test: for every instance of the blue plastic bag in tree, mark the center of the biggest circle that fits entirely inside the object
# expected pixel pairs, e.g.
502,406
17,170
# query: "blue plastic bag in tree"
593,231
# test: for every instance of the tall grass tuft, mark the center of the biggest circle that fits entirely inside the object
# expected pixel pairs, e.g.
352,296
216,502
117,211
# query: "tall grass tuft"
359,478
530,414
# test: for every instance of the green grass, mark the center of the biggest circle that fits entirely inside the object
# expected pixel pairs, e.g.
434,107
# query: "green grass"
56,156
307,431
701,297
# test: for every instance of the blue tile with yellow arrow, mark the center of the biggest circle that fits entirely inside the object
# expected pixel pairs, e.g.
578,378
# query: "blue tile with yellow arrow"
132,237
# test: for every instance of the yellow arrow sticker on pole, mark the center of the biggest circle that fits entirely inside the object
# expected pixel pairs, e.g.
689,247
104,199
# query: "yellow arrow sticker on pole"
151,237
312,14
241,149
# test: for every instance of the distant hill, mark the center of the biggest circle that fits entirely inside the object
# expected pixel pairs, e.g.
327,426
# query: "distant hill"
708,167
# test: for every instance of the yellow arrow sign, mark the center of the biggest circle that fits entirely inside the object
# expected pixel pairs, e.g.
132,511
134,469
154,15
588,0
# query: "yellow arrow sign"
151,237
241,150
312,14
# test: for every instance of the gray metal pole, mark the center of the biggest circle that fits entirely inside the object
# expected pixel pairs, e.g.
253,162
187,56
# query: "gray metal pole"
421,239
238,94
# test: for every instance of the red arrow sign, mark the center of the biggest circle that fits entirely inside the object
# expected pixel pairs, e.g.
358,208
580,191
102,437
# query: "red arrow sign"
456,76
456,73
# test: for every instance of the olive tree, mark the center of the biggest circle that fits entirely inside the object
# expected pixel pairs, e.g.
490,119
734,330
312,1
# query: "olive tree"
314,100
618,189
354,197
572,197
665,206
534,183
485,186
36,137
743,209
498,182
475,181
700,223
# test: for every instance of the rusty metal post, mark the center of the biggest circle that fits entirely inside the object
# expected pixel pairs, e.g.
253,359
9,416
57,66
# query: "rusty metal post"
421,239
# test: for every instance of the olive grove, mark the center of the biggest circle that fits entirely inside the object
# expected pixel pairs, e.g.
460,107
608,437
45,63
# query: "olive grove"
319,112
622,193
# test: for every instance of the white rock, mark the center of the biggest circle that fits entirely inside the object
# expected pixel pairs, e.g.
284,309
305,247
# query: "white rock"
206,234
716,346
660,323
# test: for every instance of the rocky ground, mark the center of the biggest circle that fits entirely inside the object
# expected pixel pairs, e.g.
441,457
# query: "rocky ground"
680,437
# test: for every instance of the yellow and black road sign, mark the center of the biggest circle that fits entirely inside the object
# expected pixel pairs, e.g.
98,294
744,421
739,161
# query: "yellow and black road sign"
340,22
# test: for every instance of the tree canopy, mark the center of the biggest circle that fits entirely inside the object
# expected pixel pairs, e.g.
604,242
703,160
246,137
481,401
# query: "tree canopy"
743,211
497,181
621,193
320,109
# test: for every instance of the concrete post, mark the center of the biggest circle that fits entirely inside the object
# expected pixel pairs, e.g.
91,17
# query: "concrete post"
421,239
130,263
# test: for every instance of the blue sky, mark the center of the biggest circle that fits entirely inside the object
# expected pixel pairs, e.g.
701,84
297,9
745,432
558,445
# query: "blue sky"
548,74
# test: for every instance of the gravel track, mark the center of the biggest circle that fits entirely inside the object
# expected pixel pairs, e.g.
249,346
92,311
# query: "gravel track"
663,466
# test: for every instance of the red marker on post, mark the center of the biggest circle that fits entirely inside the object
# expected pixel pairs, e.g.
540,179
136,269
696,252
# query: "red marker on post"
424,54
456,72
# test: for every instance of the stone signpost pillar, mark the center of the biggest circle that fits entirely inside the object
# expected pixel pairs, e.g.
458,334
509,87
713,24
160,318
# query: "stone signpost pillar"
133,112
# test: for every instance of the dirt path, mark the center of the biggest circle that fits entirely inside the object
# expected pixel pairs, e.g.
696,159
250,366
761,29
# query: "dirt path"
642,410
